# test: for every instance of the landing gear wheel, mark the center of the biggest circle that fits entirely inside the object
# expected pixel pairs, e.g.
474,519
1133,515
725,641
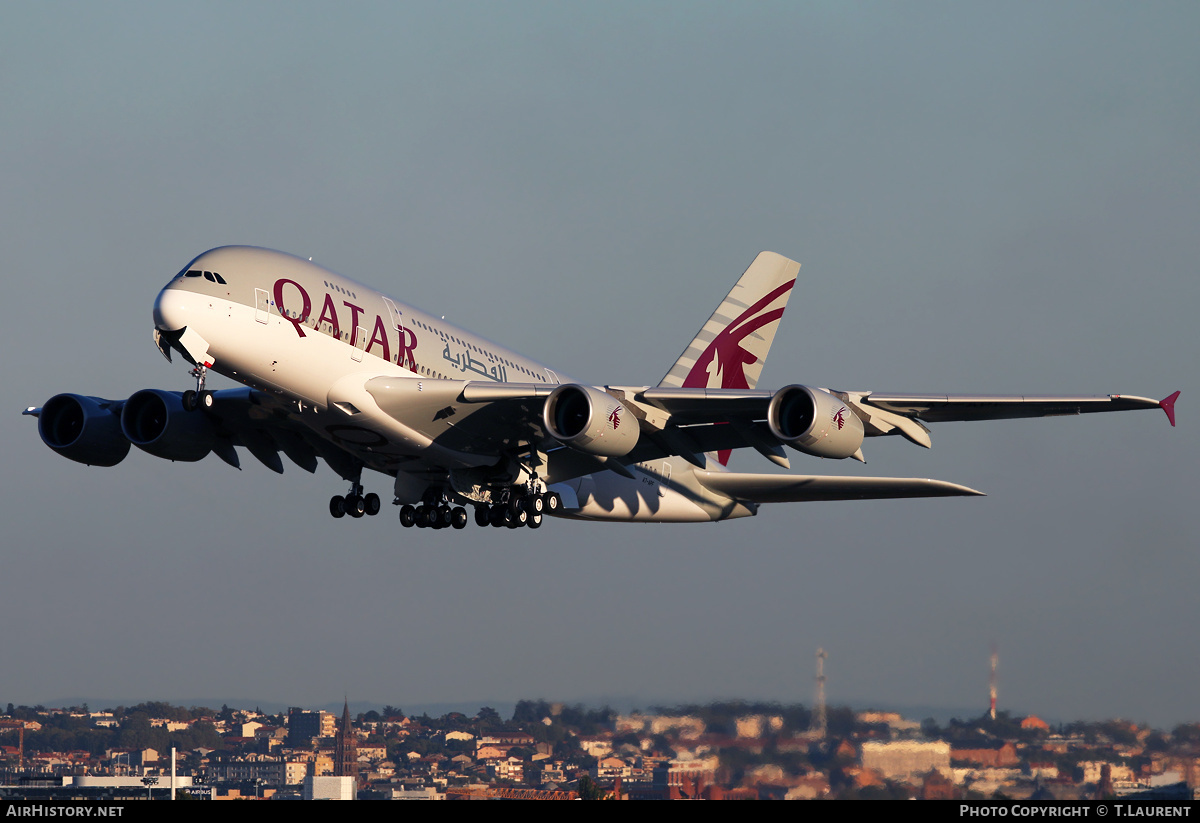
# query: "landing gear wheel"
482,515
355,505
337,506
205,400
408,516
189,403
421,517
534,504
535,521
553,502
498,516
458,517
516,504
372,504
444,517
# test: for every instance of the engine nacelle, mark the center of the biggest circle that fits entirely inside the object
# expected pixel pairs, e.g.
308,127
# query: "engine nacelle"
156,422
591,421
814,422
81,429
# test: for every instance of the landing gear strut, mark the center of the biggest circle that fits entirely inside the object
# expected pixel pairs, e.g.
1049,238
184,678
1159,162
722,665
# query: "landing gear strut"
201,398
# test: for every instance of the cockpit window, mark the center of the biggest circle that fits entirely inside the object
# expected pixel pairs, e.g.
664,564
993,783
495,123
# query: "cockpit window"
210,276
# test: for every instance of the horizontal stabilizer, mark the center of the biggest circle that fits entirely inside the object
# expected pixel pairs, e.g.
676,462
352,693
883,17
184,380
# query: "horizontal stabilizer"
790,488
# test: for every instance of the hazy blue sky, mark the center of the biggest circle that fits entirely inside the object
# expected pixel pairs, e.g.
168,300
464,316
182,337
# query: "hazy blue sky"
984,197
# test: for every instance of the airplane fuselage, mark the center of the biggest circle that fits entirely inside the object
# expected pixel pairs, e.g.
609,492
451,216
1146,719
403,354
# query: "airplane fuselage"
310,337
284,324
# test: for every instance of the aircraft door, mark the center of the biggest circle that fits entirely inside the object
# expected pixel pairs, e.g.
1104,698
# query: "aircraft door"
398,324
262,306
360,344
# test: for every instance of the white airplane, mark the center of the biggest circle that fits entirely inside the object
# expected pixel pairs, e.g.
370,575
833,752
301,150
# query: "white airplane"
336,370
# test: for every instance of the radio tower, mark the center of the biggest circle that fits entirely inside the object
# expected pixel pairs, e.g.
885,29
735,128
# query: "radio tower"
818,722
992,683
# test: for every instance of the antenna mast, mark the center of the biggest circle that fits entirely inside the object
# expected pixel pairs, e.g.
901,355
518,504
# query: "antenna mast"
819,720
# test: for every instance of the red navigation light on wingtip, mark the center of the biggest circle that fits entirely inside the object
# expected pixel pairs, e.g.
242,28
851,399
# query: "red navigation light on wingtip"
1168,405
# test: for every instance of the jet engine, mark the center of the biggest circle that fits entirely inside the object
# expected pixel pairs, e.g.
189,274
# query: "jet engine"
591,421
814,422
156,422
83,429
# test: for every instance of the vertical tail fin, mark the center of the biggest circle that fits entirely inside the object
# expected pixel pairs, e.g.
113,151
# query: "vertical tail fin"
729,350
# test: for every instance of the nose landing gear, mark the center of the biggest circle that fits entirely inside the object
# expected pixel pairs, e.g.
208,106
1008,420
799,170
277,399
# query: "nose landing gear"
200,398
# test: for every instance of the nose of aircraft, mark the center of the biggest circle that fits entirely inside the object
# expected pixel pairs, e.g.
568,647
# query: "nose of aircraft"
177,314
171,308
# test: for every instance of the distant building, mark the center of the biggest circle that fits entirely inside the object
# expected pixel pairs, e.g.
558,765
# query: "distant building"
426,793
758,725
329,788
999,756
272,771
937,786
304,726
906,758
809,787
345,748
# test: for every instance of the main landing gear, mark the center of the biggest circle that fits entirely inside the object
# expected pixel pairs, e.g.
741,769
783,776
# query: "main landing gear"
518,507
355,504
435,512
200,398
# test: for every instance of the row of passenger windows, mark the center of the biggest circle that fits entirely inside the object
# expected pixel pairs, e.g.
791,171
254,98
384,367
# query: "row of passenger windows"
210,276
473,347
336,287
346,335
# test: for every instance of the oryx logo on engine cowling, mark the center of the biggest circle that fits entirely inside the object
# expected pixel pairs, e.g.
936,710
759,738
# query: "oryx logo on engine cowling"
614,417
839,417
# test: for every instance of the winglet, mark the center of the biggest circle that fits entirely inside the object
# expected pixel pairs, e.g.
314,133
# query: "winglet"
1167,404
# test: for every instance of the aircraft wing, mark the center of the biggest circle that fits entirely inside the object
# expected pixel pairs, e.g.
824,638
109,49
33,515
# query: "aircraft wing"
690,406
881,413
488,419
787,488
943,408
99,432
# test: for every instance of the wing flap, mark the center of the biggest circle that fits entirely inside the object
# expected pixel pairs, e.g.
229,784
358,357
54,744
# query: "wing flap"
784,488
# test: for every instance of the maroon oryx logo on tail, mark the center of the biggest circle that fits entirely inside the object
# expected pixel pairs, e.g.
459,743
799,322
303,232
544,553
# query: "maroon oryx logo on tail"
725,359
